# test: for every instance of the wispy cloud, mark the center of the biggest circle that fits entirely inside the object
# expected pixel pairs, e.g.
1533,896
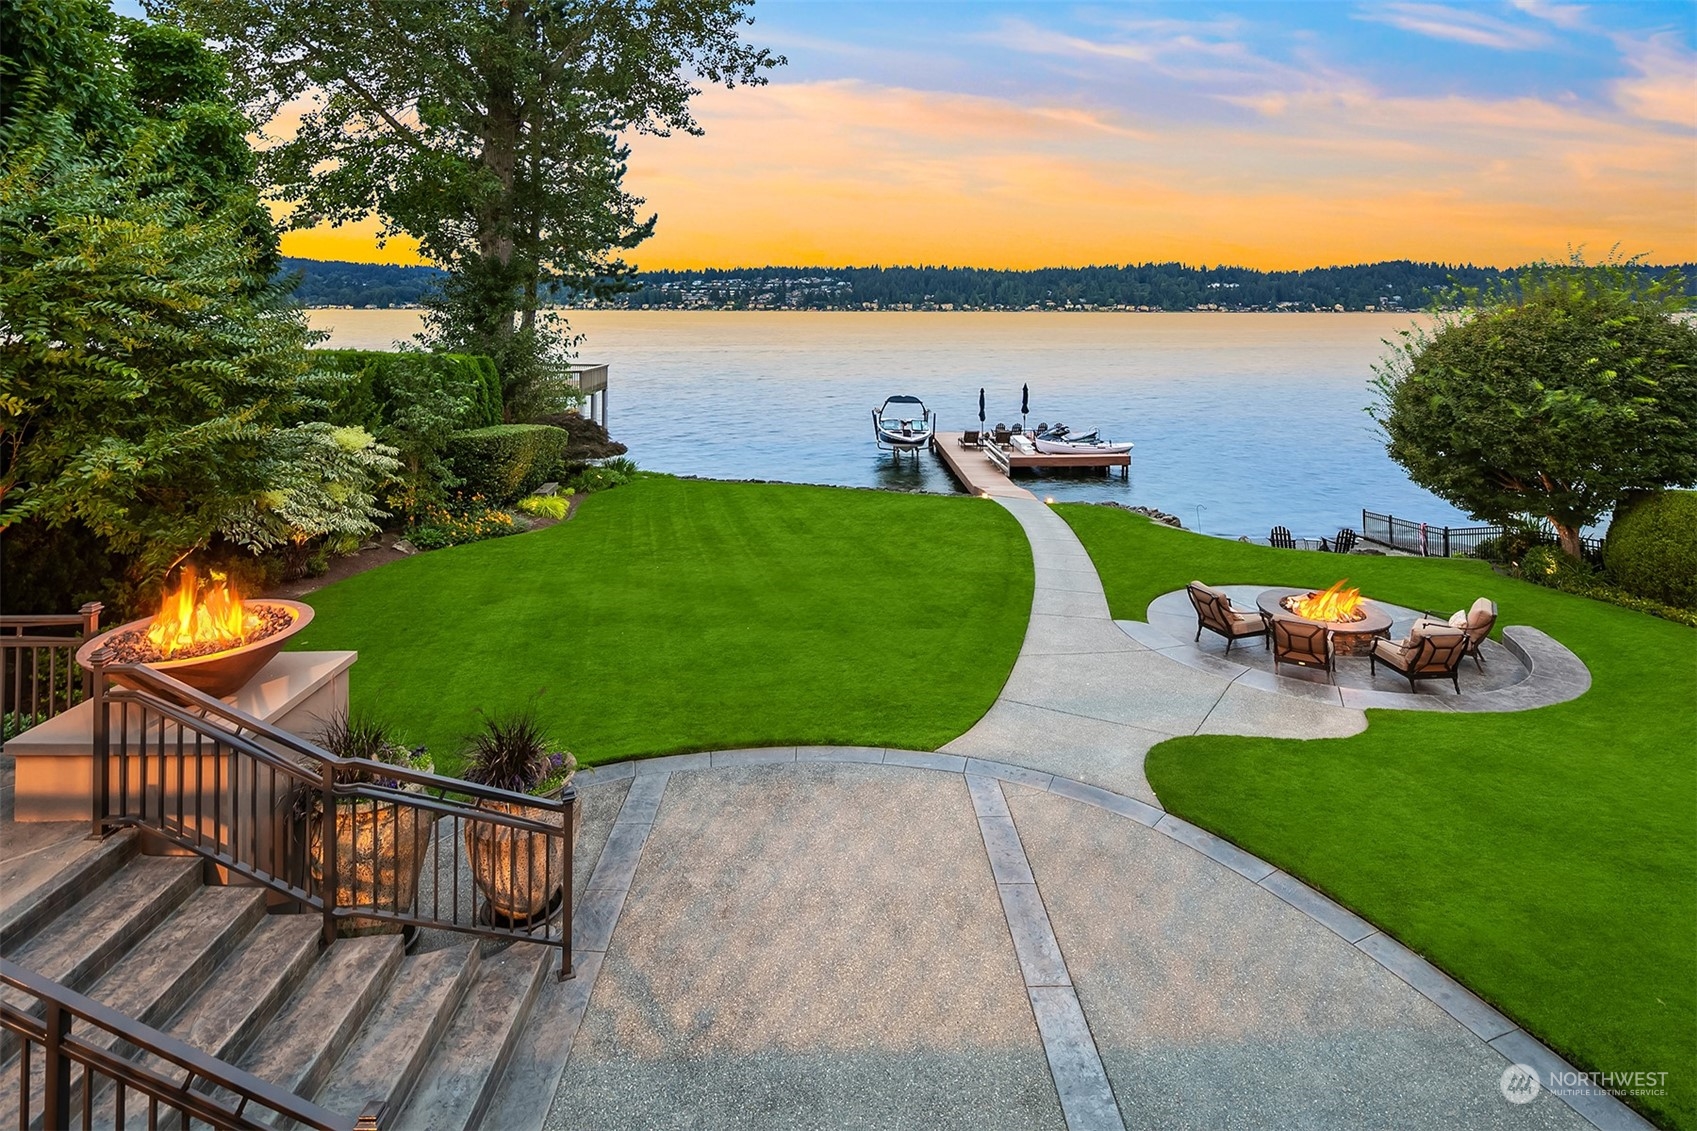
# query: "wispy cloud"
1458,25
1665,87
1569,16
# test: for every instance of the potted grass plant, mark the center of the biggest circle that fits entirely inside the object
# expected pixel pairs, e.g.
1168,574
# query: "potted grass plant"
380,846
521,873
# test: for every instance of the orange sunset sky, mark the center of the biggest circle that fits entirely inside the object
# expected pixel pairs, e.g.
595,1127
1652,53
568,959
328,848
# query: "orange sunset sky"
1265,135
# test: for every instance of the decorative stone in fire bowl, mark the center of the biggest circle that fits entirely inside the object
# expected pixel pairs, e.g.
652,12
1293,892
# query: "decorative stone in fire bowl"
1350,637
218,673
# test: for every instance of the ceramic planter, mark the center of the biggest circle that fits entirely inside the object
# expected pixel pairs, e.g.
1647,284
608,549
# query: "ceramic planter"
522,874
379,851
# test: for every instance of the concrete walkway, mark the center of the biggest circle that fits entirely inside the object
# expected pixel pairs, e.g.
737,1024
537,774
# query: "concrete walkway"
1087,701
1009,932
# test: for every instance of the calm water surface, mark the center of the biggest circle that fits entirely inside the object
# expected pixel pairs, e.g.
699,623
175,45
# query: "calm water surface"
1241,421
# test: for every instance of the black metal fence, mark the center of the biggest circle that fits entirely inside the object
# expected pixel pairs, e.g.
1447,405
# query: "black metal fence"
67,1063
348,838
1444,541
39,676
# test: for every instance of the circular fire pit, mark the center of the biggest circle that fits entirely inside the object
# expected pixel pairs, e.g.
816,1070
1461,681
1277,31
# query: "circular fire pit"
219,673
1349,637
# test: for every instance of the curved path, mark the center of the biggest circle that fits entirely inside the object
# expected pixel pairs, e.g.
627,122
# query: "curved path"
1010,932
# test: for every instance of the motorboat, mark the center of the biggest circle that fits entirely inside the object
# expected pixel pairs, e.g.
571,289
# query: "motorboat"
1059,440
903,424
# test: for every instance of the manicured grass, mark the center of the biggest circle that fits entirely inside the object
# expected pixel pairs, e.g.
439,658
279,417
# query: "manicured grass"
673,615
1547,859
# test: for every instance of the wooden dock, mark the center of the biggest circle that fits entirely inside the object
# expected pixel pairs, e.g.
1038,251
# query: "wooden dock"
975,470
987,470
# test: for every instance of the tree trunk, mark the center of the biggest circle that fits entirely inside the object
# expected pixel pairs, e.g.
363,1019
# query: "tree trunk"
502,132
1568,537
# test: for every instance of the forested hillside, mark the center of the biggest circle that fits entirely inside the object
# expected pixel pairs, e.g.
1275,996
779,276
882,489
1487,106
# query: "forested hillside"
1396,285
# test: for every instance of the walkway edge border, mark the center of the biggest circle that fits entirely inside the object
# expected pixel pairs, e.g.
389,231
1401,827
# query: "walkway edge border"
1512,1043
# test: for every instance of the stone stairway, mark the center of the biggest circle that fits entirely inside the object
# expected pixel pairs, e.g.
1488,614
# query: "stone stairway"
427,1035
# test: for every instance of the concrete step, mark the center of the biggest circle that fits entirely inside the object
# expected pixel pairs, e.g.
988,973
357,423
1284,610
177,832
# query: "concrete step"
46,869
538,1060
460,1079
298,1049
86,941
239,999
242,997
383,1063
159,975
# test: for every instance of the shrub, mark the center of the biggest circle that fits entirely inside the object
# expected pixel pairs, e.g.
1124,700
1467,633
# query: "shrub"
602,476
513,752
356,735
1548,565
1651,550
471,520
372,388
555,507
507,461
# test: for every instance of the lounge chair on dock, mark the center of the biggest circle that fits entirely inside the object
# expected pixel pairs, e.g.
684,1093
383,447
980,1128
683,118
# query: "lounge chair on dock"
971,440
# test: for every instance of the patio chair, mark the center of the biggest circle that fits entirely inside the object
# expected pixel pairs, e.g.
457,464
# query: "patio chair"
971,440
1431,651
1001,435
1296,640
1214,612
1345,541
1476,621
1280,539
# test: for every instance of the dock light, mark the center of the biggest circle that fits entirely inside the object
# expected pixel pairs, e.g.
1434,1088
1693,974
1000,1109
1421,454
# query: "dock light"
1050,499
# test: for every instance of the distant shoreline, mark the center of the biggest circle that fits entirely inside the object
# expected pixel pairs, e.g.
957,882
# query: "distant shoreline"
892,310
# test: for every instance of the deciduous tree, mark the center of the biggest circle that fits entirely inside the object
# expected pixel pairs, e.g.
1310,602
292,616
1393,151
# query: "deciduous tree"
491,131
1554,397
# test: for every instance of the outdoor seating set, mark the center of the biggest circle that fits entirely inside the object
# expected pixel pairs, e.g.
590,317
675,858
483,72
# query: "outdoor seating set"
1280,538
1433,648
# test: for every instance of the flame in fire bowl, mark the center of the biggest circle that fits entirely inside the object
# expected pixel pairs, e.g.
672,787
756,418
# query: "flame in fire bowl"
209,638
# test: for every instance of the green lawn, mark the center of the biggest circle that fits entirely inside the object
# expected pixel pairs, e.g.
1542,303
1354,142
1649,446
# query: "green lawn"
1547,859
674,615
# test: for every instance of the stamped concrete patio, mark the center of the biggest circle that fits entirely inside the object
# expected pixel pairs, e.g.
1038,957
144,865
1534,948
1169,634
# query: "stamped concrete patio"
1007,933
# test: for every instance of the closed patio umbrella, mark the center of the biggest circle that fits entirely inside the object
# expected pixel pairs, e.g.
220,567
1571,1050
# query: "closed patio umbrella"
981,410
1024,403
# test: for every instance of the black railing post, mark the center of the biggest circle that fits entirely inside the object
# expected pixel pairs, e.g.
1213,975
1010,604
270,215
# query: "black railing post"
90,629
56,1103
100,754
1446,541
327,838
568,822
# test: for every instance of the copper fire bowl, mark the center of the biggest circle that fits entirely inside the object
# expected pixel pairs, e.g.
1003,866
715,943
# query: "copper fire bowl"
219,674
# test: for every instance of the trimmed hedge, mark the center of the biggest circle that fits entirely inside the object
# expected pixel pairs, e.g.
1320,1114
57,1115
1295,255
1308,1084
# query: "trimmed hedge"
1651,550
366,394
506,461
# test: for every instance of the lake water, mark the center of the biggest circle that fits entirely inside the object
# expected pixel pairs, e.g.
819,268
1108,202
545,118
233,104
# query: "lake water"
1241,421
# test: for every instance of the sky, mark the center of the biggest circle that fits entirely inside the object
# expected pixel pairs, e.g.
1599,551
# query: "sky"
1269,135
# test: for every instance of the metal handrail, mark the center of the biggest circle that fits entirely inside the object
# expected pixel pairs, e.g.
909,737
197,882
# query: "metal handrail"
253,799
27,690
237,1100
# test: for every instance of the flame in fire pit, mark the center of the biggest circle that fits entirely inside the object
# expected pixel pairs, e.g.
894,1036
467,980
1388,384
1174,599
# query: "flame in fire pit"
1335,604
191,616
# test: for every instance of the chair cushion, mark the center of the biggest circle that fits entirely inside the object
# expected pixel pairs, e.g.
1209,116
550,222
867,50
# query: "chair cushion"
1393,651
1459,620
1483,612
